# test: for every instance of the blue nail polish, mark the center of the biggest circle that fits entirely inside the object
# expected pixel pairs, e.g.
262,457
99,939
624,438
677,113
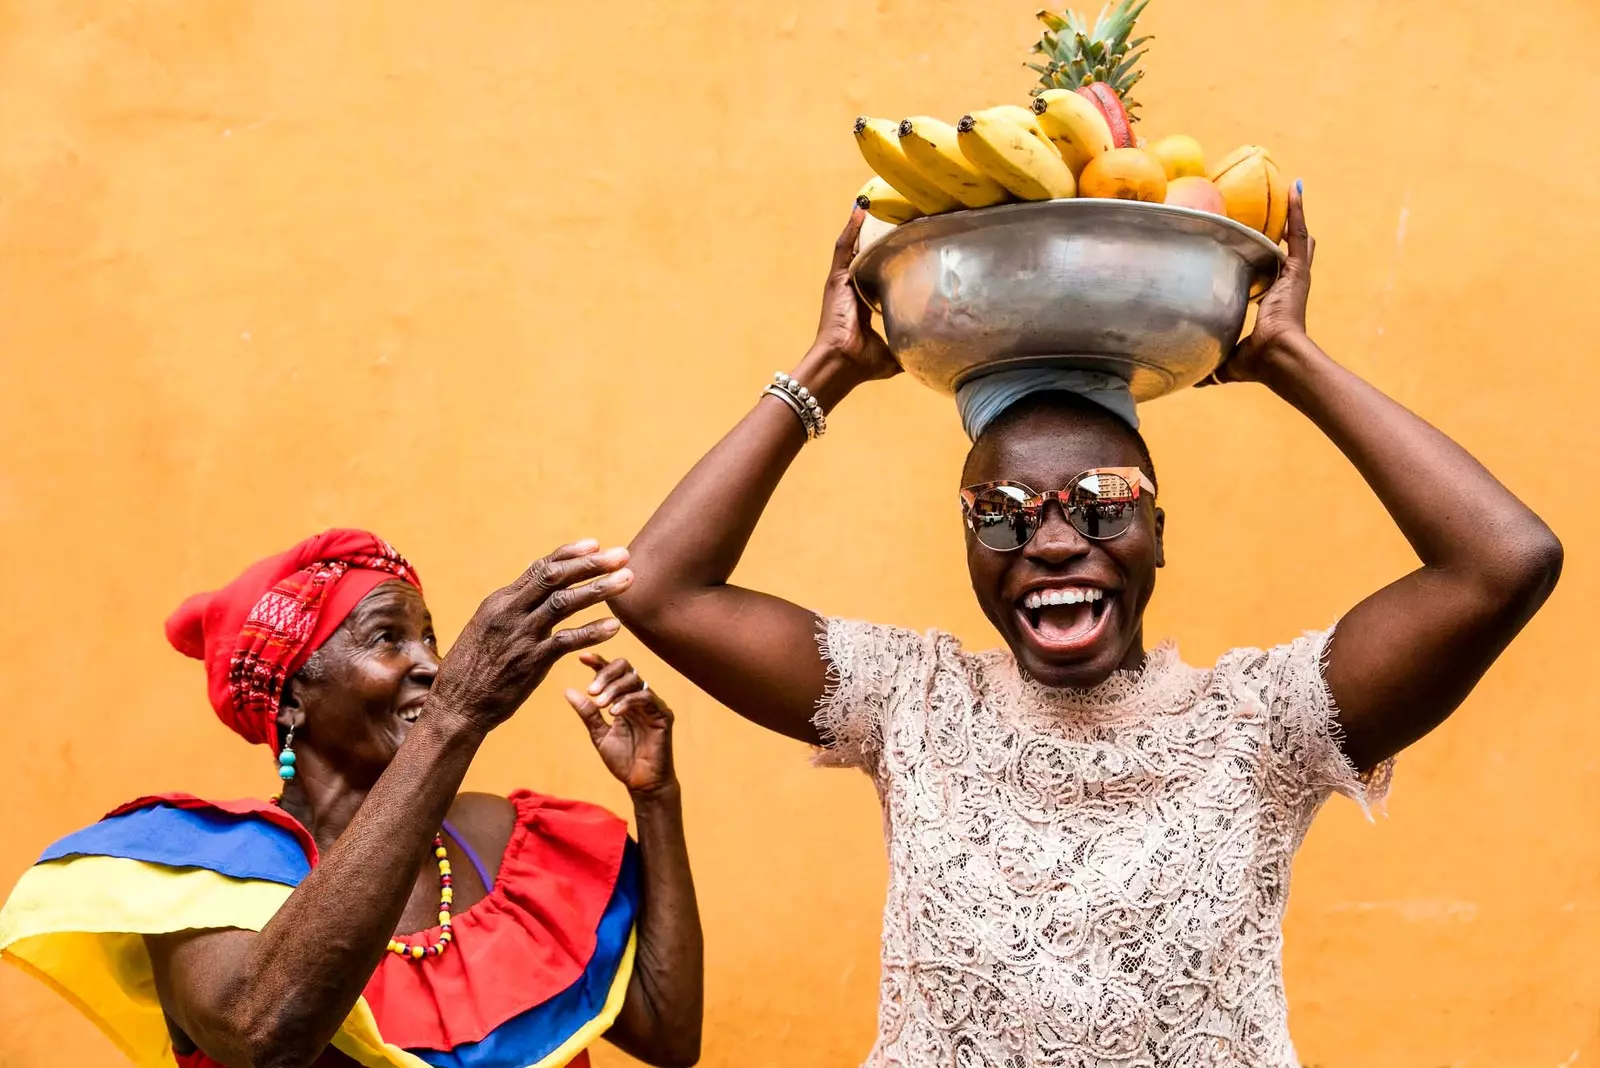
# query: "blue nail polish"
1300,186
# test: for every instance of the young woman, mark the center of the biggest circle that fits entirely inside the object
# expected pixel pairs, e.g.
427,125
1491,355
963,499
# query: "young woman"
1090,841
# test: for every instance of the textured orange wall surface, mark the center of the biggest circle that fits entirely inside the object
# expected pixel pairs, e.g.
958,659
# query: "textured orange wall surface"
487,276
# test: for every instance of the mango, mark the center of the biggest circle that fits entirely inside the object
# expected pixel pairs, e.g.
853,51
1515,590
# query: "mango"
1197,193
1254,189
1181,157
1124,174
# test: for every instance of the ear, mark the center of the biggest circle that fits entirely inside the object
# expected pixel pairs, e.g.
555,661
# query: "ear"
1161,528
291,713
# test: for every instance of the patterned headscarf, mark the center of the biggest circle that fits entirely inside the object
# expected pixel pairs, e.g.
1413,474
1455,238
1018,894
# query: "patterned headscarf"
260,629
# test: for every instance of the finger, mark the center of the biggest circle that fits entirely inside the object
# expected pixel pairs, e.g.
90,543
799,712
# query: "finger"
844,249
565,642
570,563
619,687
609,674
1299,237
644,707
570,601
591,715
593,661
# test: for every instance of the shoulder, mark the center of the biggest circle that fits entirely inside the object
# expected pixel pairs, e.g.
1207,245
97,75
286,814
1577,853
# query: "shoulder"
247,838
852,647
1293,668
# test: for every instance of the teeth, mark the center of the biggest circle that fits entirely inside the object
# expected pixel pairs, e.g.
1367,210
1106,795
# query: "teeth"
1046,598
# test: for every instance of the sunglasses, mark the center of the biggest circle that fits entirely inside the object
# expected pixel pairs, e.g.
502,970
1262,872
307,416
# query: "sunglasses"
1100,504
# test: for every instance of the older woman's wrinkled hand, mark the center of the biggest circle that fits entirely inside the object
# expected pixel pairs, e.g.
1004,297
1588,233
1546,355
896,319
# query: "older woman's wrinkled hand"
514,638
636,742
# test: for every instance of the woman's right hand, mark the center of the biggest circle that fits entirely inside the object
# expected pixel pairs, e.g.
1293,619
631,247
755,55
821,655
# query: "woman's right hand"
511,642
846,325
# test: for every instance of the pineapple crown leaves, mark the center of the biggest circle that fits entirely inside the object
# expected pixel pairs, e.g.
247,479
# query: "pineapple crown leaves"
1077,54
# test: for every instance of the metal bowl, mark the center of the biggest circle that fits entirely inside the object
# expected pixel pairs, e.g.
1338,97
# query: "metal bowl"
1153,293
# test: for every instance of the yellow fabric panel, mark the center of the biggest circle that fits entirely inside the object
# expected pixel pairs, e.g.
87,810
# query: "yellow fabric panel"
77,925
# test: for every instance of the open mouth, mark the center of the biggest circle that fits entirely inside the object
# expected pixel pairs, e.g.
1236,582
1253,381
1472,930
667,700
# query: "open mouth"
1065,620
410,714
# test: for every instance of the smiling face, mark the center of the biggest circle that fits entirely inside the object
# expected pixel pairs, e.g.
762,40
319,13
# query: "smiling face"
356,698
1071,608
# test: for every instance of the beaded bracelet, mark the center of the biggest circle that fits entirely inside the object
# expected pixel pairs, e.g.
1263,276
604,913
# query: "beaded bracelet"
805,406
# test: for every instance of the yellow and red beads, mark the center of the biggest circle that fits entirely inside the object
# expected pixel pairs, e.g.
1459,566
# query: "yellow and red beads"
447,895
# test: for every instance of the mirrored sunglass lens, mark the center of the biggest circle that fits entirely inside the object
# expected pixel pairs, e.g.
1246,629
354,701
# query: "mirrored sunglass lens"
1102,505
1000,521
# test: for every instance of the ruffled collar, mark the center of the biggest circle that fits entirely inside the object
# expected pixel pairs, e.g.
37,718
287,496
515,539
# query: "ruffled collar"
1164,683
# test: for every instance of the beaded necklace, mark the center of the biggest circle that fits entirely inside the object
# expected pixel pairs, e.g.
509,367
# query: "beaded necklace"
447,895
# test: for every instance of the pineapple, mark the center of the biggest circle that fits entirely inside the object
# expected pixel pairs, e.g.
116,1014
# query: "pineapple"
1078,57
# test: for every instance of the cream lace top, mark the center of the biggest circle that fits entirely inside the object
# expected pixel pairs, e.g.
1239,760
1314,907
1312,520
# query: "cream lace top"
1085,878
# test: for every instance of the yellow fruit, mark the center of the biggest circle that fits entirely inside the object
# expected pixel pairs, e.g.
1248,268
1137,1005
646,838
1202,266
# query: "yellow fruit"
879,140
1074,125
932,147
883,201
1180,156
1254,189
1125,174
1015,153
1196,193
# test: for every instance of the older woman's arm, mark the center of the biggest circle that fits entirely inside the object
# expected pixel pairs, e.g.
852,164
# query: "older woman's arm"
275,998
660,1022
1406,656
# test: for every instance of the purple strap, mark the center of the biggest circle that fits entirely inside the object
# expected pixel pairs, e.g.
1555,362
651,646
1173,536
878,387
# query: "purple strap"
483,873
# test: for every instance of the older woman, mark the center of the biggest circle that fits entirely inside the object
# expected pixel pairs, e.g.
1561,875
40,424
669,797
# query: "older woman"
1089,841
372,914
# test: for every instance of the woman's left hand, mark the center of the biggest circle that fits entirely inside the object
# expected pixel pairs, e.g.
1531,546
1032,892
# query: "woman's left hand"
1281,319
636,743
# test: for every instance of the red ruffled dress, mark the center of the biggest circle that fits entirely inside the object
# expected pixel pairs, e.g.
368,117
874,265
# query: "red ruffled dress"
537,971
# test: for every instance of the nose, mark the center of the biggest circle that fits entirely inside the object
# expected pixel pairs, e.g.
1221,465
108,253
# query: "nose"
424,663
1057,541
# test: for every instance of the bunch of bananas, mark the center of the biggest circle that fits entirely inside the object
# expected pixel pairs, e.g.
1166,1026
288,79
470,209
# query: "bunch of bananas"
1061,147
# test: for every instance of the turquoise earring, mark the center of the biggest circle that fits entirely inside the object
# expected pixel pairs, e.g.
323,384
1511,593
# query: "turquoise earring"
286,757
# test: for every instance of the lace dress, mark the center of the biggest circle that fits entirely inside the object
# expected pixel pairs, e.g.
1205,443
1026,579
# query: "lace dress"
1085,878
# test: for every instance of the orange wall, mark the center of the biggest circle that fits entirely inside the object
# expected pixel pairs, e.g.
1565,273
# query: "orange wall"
488,276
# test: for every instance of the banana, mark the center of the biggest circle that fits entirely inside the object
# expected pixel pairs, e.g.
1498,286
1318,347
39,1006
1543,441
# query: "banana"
879,140
932,148
1076,127
1007,144
883,201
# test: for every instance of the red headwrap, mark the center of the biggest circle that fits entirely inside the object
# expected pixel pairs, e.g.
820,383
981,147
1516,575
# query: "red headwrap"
261,628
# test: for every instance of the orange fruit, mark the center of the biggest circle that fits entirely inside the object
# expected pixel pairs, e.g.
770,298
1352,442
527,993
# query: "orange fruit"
1124,174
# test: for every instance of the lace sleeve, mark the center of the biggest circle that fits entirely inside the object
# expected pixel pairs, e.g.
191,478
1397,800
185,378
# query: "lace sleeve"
1303,724
870,667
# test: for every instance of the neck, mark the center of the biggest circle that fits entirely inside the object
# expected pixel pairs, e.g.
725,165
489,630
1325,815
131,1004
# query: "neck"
1136,655
324,802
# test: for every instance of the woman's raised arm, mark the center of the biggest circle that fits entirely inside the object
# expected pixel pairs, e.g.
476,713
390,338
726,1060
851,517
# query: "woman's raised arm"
755,653
1405,657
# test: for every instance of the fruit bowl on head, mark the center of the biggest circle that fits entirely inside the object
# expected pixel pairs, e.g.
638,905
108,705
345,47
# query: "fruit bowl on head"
1152,293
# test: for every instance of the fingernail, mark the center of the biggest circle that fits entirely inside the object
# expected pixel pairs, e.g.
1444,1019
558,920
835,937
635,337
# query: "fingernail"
1300,186
594,687
588,545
